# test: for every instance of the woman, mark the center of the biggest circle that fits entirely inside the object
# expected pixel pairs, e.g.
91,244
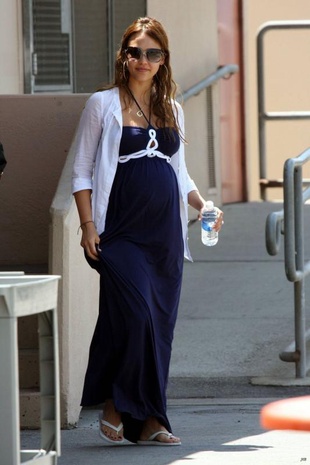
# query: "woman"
132,189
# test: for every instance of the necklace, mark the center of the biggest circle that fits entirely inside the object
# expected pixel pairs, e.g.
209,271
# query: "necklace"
140,112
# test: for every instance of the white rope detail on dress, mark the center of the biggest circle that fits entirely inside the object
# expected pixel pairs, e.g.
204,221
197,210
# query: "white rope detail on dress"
150,150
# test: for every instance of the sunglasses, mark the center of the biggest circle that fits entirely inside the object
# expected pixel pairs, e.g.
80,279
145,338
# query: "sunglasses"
153,55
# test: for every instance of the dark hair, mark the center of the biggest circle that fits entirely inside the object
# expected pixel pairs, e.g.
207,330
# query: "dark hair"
164,88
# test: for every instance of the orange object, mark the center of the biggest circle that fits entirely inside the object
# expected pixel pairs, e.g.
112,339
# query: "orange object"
291,414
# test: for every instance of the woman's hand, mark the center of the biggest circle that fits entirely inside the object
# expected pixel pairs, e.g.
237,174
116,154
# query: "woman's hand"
198,202
90,240
219,221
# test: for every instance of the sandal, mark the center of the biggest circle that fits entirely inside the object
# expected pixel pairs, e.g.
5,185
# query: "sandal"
152,441
117,429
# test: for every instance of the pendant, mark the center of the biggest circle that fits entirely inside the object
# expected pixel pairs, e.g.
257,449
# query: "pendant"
140,113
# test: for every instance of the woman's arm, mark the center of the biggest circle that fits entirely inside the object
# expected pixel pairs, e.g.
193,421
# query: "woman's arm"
90,237
85,147
196,201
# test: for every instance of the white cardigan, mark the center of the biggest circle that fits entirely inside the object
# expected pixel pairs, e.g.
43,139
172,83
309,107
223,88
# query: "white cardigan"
96,147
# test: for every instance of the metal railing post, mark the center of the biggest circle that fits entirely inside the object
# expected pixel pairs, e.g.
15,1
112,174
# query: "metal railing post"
264,115
261,112
295,267
299,286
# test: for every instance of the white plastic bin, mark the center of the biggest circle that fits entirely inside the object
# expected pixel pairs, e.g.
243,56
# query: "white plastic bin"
23,295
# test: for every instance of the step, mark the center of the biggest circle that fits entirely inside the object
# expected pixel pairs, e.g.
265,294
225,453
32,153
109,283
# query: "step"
30,409
28,337
29,373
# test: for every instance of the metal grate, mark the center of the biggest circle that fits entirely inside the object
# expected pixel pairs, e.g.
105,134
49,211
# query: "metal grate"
51,59
210,144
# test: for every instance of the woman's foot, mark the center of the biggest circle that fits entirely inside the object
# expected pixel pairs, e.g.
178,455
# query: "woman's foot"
111,417
152,426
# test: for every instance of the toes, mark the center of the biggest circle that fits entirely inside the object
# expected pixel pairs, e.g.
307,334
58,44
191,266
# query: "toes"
111,435
172,439
168,439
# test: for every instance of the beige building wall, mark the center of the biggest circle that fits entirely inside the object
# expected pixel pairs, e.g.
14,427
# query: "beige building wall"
193,43
11,56
193,36
195,55
287,87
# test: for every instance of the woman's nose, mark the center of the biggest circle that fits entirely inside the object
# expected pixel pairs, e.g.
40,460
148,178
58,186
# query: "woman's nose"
143,56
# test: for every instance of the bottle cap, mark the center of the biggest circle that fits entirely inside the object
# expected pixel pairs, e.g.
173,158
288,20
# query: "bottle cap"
209,204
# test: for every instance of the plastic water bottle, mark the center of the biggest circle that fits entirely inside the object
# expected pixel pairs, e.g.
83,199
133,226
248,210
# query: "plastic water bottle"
209,237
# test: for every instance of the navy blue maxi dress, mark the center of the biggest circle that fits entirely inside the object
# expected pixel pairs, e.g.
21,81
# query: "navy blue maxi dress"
141,263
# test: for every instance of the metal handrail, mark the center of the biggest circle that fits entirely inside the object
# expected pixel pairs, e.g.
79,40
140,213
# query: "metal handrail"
225,72
222,72
263,115
289,222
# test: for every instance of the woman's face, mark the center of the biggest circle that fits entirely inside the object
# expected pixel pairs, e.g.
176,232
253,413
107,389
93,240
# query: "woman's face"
141,69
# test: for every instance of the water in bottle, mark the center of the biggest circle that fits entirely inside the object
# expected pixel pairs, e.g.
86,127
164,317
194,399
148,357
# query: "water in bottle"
209,237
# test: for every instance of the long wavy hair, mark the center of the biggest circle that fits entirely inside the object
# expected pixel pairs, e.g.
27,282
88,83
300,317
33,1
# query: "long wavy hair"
163,87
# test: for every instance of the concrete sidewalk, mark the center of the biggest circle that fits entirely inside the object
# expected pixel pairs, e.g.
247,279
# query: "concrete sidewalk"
216,432
237,306
236,315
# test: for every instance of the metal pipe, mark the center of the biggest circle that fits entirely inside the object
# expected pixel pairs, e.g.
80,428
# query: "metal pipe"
264,116
111,39
299,286
295,267
221,72
286,115
274,230
261,111
289,221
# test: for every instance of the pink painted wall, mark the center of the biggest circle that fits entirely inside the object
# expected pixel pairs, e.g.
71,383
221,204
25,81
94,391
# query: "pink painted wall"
231,103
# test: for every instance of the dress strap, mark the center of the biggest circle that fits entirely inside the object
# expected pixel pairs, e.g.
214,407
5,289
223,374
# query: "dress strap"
140,112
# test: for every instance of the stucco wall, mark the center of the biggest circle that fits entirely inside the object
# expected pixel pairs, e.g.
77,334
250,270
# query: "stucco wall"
287,87
36,132
193,37
78,296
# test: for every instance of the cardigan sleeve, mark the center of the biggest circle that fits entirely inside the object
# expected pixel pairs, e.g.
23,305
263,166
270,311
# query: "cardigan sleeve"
86,142
189,183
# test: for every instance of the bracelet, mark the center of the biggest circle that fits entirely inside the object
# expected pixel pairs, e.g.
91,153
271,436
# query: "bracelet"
83,224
